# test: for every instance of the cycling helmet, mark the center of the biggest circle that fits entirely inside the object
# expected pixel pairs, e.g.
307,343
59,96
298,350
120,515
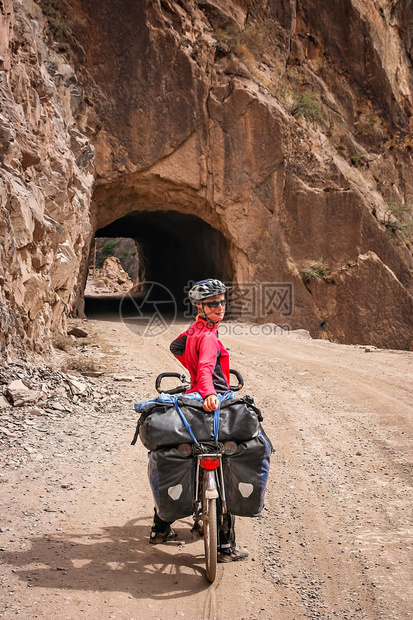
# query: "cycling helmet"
205,289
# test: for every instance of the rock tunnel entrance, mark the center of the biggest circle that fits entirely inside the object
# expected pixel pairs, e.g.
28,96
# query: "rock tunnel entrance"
174,249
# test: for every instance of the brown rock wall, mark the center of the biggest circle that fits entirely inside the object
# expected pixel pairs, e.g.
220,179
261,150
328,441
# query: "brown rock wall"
379,320
45,183
401,15
271,183
248,142
188,115
357,40
146,90
312,217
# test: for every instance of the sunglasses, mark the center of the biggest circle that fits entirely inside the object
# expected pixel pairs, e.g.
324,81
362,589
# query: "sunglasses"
215,304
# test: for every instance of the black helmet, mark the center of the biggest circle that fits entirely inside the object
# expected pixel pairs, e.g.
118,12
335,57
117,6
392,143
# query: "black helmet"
205,289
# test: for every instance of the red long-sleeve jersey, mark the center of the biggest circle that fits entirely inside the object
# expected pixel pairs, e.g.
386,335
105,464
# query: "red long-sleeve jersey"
204,356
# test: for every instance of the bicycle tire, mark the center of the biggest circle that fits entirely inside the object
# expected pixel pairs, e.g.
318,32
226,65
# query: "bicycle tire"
211,539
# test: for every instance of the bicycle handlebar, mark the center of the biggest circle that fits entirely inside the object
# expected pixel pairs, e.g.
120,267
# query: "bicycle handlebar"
239,378
176,375
180,389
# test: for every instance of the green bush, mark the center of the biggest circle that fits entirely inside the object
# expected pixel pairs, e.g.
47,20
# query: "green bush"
397,220
315,269
307,105
108,247
395,226
397,209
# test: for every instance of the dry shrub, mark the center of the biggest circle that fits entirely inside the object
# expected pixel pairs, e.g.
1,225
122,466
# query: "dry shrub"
398,220
308,105
371,124
79,363
252,40
315,269
62,342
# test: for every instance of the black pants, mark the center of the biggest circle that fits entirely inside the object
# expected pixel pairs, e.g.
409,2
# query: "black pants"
226,530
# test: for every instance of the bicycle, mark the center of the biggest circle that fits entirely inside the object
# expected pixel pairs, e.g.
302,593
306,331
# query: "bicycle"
209,501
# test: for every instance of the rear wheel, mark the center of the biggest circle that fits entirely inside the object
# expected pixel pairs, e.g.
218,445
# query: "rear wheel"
210,538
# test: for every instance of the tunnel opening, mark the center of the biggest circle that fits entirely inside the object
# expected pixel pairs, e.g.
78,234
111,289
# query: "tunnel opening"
175,250
126,250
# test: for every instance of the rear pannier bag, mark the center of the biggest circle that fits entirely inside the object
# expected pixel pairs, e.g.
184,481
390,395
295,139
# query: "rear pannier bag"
172,480
161,425
245,476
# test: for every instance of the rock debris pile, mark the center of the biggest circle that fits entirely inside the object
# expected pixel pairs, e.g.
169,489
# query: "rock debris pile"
111,279
33,400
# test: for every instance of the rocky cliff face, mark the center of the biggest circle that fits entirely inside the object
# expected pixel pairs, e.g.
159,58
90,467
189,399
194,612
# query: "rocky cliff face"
285,127
46,180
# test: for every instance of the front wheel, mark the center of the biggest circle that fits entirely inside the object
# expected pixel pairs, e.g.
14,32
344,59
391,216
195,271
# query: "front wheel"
210,538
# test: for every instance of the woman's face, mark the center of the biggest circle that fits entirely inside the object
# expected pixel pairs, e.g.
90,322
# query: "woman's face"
215,314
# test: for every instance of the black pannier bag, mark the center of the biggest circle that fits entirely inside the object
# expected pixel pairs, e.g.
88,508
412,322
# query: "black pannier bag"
245,476
161,425
172,480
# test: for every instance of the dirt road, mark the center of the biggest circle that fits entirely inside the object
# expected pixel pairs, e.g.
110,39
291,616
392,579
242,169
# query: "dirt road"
335,539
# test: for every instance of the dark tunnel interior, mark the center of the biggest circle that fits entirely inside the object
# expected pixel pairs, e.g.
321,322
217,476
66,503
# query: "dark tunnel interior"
175,250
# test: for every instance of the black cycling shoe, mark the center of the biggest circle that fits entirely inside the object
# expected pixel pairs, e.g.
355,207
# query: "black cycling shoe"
156,537
232,555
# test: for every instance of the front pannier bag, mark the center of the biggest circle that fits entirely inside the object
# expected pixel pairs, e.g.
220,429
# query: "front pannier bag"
172,480
161,425
245,476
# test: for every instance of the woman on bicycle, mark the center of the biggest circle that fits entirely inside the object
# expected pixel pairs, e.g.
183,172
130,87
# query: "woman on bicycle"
205,357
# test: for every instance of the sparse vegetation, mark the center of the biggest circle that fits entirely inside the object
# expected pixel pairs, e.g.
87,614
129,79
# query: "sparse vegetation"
359,160
397,209
396,226
250,40
253,38
371,124
79,363
106,251
54,11
108,248
398,220
307,105
126,249
315,269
